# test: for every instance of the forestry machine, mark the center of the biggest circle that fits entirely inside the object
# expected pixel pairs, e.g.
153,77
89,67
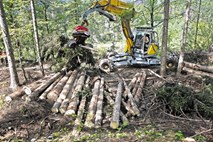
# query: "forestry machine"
137,51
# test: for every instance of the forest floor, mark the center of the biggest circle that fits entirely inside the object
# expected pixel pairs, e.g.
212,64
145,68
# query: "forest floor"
34,121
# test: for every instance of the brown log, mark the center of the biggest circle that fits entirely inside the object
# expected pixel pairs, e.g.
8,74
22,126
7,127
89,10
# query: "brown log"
116,109
44,94
199,73
20,92
66,101
131,98
98,115
44,85
68,85
72,107
93,105
199,67
138,94
136,85
53,95
81,111
122,115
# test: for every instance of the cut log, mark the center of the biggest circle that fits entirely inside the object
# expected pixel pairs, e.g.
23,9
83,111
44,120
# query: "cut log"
68,85
199,67
53,95
127,106
93,105
81,111
198,73
138,94
98,115
72,108
122,115
56,105
136,85
66,101
20,92
44,85
116,109
131,99
44,94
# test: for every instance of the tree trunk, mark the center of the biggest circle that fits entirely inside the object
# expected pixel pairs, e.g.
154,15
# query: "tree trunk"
68,85
44,85
35,27
194,72
198,19
164,38
117,106
123,117
184,39
67,95
198,67
93,105
138,94
98,116
53,95
21,91
14,82
72,108
131,99
44,94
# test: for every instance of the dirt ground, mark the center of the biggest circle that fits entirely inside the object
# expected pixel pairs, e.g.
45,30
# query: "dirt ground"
30,121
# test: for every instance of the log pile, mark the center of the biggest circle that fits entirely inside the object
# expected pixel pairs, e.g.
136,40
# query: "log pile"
198,70
83,97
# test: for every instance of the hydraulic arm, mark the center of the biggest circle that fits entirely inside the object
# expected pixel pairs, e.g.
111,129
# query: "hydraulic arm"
110,8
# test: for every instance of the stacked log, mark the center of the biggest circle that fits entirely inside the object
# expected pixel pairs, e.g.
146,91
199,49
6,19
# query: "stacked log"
53,95
93,105
64,92
116,109
72,107
197,69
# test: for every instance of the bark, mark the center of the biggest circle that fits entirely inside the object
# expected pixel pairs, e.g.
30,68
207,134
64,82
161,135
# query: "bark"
14,81
81,111
136,85
20,92
93,105
198,67
53,95
197,23
66,101
164,38
131,99
68,85
117,106
72,108
138,94
123,117
184,39
44,95
35,27
98,116
194,72
56,105
44,85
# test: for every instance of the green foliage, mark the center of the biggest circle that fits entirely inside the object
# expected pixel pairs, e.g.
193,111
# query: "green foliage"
181,99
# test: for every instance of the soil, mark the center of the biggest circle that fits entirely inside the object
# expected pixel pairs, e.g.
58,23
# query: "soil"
28,121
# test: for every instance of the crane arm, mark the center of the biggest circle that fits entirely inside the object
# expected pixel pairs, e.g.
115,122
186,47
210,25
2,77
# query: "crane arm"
110,8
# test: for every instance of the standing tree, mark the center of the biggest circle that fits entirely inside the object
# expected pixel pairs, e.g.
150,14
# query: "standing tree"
184,37
14,82
164,38
36,35
198,19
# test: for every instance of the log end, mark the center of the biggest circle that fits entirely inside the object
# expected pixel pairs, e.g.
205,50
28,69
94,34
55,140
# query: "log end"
62,110
125,123
70,112
89,124
54,110
8,99
114,124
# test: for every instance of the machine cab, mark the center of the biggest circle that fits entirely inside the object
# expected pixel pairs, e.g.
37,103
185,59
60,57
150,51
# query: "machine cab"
146,39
